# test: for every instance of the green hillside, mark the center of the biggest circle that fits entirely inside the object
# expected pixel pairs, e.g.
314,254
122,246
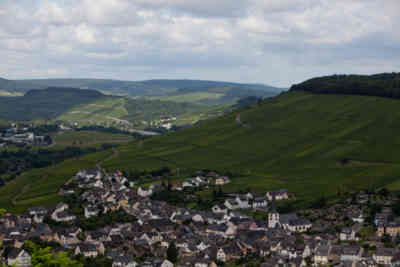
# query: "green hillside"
124,111
311,144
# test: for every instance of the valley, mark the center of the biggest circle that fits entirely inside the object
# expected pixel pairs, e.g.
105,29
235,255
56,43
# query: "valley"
297,140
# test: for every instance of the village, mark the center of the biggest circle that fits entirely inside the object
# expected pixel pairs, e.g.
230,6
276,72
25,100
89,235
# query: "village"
23,135
105,215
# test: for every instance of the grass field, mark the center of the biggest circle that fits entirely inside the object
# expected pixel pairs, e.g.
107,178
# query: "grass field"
297,141
107,110
192,97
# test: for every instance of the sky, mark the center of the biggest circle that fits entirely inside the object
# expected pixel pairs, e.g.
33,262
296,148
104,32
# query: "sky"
275,42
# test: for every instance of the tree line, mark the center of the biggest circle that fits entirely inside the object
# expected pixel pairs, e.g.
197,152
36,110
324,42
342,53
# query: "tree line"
384,85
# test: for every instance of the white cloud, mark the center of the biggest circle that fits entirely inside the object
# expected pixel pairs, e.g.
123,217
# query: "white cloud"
85,34
275,41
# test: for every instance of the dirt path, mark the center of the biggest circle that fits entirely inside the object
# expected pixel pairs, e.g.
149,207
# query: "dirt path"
115,154
23,191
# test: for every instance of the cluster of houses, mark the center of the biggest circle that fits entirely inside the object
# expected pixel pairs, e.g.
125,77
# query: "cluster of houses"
23,137
166,122
198,181
248,200
202,238
387,224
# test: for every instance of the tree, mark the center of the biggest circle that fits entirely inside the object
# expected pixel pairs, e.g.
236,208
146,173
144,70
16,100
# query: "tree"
45,257
220,193
215,194
172,253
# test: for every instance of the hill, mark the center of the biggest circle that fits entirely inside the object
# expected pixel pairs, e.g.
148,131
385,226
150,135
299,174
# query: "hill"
311,144
90,107
114,111
210,92
44,104
384,84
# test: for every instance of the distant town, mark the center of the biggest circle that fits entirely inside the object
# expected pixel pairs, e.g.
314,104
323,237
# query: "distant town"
23,135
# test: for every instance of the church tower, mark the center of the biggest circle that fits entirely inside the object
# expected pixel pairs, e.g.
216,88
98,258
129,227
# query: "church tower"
273,216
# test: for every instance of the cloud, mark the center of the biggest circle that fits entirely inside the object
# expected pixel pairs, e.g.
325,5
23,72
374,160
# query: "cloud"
277,42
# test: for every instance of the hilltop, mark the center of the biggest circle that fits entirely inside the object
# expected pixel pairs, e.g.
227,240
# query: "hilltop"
44,104
197,91
384,84
311,144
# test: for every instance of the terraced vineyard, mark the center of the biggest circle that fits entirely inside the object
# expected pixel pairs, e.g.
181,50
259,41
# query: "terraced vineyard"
311,144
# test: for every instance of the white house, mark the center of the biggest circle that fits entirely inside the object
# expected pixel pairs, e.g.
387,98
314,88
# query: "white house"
347,234
91,212
221,256
243,202
259,202
143,192
19,257
277,195
219,209
222,180
231,204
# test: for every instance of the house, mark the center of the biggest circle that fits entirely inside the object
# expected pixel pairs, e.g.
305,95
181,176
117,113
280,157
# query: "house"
358,219
321,255
144,192
351,253
123,261
384,256
277,195
204,263
63,216
88,250
273,218
231,204
382,218
221,256
219,209
67,237
347,234
164,263
37,211
61,207
222,180
19,257
259,202
242,202
393,229
221,230
294,224
91,212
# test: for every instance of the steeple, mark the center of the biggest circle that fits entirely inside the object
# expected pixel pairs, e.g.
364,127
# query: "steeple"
273,215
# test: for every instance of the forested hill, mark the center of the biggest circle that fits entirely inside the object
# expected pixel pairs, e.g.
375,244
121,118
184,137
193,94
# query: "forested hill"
384,84
45,104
